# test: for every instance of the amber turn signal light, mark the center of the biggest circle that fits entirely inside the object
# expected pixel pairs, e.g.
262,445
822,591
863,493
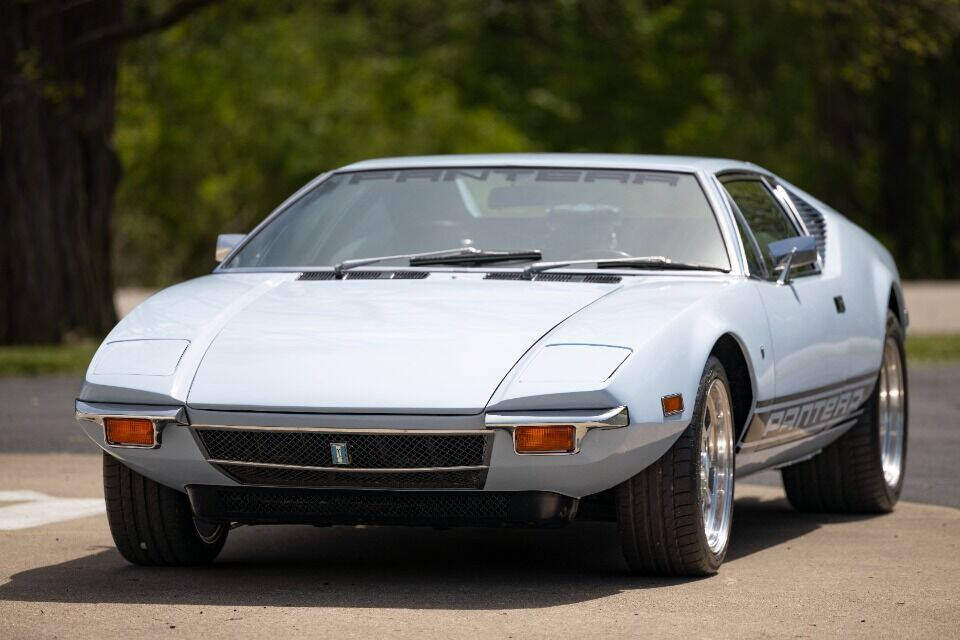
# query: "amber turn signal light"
560,438
672,405
132,432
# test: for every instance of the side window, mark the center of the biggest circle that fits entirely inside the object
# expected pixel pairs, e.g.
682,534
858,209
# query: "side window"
766,219
754,259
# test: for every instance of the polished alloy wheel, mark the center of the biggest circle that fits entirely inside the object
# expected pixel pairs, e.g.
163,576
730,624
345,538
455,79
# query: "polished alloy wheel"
716,466
892,400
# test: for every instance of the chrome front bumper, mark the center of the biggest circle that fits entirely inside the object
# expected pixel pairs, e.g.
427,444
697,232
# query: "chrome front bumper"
608,448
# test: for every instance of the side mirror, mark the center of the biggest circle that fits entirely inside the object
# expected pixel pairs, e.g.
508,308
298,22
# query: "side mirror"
792,253
227,242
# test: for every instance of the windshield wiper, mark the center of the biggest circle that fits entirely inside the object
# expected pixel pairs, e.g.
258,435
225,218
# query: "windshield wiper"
639,262
346,265
478,257
457,255
655,262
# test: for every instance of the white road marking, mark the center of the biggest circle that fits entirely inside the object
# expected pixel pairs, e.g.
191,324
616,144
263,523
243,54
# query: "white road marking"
34,509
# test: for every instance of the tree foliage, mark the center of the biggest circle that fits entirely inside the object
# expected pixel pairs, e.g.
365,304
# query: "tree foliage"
224,115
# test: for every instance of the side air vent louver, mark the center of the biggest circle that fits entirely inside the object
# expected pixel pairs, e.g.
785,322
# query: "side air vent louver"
814,222
317,275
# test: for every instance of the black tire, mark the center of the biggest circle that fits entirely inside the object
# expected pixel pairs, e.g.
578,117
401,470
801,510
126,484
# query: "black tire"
658,510
153,524
847,476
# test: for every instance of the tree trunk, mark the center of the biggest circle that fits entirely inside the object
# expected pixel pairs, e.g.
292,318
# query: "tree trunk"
58,171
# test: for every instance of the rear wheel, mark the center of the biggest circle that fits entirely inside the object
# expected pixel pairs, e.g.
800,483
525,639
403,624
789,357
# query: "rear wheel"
153,524
862,472
675,516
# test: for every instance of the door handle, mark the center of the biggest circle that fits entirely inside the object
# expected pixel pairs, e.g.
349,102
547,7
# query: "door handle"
840,304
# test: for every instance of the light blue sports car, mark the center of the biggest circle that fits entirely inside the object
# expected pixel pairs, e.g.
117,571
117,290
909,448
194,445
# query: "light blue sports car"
510,340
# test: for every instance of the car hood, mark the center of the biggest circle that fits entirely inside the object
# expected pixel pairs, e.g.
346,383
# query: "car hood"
440,345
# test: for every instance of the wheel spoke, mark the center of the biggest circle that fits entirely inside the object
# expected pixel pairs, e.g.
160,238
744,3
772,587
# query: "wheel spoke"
891,412
716,465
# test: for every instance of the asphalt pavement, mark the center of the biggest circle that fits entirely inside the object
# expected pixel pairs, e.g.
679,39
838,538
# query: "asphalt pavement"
786,575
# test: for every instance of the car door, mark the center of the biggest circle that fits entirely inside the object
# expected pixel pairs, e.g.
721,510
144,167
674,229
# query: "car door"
807,345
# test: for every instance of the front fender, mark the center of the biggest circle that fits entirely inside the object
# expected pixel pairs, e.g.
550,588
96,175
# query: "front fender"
670,326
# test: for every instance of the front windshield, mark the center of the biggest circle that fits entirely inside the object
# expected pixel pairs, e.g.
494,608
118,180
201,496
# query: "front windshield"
566,214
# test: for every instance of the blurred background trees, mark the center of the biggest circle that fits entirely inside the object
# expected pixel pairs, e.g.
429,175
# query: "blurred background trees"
223,115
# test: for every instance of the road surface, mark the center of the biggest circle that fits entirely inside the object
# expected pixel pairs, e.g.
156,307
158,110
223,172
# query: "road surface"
787,574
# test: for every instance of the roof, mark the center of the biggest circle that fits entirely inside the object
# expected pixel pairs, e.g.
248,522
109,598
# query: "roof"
573,160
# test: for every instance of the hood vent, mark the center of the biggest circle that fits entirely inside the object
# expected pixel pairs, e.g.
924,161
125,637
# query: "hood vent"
317,275
410,275
365,275
497,275
556,277
602,279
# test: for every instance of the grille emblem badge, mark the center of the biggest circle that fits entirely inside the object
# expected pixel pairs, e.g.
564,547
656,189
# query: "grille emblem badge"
339,453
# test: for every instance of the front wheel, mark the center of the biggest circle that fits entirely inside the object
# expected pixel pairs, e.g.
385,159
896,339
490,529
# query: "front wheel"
153,524
675,516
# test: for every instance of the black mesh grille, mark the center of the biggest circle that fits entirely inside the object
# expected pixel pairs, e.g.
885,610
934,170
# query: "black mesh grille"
366,451
410,275
356,479
371,508
504,275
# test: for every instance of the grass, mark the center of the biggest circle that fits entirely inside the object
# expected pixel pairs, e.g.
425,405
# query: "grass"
35,360
73,358
933,348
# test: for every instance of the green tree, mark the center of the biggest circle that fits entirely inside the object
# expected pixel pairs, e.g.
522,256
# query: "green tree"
58,171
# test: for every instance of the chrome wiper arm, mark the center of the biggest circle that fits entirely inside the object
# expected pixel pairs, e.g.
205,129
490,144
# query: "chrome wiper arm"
536,268
346,265
478,257
655,262
639,262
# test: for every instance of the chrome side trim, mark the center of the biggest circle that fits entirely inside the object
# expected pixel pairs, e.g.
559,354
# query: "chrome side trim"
348,430
582,421
297,467
96,412
160,417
